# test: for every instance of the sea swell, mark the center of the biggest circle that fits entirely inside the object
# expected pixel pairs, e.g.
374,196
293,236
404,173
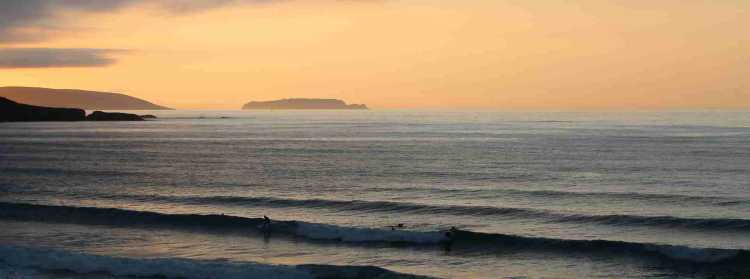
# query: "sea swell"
659,198
703,224
711,224
14,259
327,232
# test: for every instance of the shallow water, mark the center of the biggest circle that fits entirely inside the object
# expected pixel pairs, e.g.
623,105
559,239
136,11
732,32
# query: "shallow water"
535,195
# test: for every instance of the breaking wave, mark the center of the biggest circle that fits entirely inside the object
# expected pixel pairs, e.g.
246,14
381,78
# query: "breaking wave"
709,224
313,231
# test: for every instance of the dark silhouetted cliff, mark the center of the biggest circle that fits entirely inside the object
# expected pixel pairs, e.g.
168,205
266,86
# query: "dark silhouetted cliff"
303,104
12,111
90,100
113,116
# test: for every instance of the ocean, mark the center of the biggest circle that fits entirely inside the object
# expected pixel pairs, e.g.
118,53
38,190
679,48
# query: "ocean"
529,195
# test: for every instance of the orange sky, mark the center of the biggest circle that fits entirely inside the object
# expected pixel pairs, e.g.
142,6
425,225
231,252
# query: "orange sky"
492,54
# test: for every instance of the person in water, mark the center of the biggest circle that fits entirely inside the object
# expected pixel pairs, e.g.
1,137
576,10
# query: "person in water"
450,236
451,233
400,226
266,223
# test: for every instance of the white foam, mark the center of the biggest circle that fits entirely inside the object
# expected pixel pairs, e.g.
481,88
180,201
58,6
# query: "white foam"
20,259
332,232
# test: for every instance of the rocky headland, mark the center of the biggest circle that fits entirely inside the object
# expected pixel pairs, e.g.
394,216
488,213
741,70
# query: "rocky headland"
74,98
11,111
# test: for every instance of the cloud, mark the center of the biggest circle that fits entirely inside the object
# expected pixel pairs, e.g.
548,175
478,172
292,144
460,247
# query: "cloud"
24,21
15,58
27,20
17,16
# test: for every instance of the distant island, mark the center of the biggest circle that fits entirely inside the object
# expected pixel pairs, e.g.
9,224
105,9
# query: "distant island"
11,111
72,98
297,103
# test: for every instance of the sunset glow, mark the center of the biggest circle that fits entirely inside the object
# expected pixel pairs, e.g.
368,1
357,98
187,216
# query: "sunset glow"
404,54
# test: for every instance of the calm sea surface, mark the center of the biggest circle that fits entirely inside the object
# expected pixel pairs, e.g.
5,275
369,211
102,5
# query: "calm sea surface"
533,195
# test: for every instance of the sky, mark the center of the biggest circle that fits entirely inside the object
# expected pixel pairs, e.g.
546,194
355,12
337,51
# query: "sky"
388,54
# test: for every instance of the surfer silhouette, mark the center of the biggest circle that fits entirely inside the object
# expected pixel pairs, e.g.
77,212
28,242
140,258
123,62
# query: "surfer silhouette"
450,235
400,226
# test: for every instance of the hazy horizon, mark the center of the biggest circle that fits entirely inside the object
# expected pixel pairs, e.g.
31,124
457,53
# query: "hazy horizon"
489,55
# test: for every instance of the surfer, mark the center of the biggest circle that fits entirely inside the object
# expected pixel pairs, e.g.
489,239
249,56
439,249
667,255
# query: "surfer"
400,226
450,235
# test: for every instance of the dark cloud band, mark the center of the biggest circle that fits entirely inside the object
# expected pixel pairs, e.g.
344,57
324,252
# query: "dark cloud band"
17,58
33,21
18,15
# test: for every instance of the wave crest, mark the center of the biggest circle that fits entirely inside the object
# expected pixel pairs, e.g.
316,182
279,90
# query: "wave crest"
456,210
313,231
